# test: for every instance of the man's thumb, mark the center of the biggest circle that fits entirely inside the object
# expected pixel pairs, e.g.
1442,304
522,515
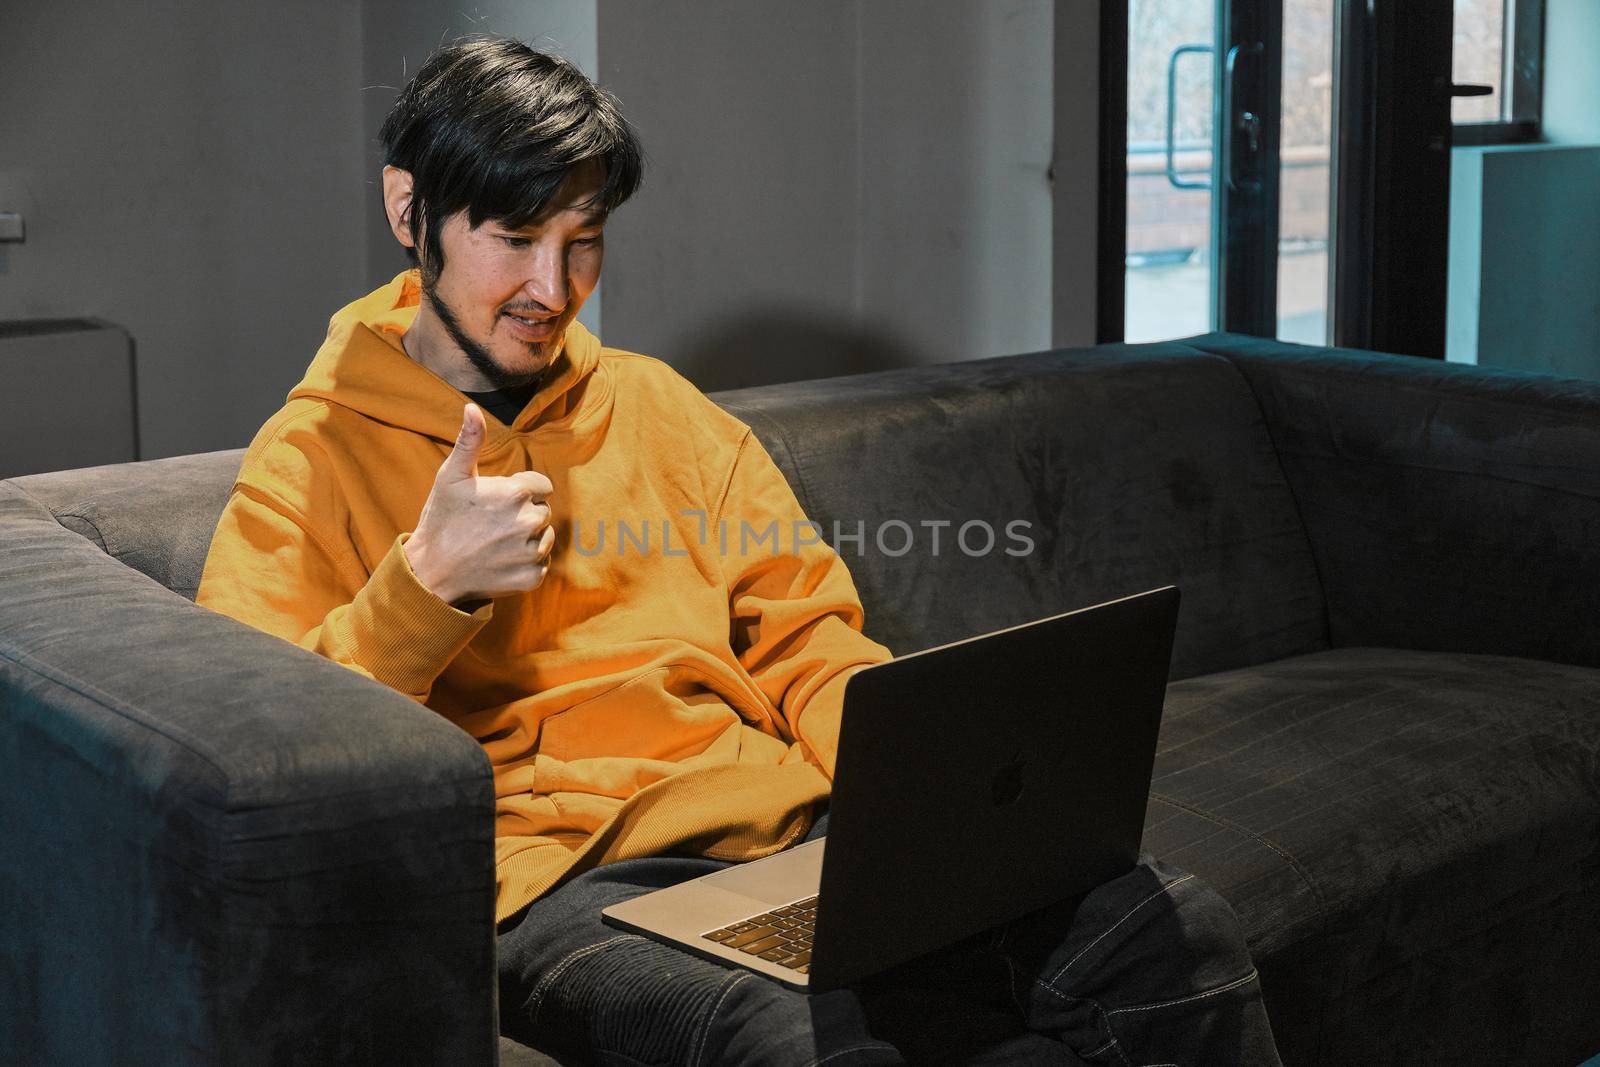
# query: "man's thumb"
462,462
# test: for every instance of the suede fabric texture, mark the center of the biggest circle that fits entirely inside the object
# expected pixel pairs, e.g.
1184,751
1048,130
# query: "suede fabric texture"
157,516
221,848
1134,467
1380,745
1408,838
1449,507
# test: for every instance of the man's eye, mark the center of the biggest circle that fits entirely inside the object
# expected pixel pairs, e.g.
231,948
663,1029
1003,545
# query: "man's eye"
588,241
516,242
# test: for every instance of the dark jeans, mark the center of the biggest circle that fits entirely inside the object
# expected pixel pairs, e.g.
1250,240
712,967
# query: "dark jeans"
1147,969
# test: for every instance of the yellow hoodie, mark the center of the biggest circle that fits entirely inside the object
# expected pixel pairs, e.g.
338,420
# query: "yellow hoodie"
675,682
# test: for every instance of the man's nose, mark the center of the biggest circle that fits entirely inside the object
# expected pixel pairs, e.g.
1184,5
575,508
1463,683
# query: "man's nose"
547,281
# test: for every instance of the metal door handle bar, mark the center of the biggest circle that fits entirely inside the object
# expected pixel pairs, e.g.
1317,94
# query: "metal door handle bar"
1172,107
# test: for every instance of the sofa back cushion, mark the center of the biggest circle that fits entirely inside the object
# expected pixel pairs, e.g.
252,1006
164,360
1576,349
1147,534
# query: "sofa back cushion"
156,516
1450,508
1131,466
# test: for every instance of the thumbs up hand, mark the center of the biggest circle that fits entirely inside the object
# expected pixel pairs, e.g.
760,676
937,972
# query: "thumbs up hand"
481,537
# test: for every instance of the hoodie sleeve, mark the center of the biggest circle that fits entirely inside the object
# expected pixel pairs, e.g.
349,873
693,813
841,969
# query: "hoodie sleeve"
794,612
268,568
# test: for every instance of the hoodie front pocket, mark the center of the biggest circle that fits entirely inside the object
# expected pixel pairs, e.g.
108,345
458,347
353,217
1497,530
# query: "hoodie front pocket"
668,713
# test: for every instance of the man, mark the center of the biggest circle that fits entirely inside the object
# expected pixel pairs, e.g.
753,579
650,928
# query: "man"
652,709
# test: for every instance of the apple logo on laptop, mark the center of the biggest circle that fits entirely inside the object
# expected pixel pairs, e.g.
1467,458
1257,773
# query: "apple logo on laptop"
1007,784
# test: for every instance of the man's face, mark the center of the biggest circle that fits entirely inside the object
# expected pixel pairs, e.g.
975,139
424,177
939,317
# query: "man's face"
505,296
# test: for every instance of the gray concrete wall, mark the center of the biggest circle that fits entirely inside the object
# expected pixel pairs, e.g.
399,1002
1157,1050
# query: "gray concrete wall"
1075,191
737,260
832,186
839,186
189,173
955,128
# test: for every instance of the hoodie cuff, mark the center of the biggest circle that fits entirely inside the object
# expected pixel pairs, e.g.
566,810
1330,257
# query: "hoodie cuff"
407,634
820,720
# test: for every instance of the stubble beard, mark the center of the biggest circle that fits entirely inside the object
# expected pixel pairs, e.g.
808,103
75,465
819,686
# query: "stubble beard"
476,354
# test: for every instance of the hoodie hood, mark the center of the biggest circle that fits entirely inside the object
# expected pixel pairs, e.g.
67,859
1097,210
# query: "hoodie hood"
363,366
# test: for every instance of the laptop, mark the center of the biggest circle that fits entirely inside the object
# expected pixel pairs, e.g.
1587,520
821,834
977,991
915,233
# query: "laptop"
976,782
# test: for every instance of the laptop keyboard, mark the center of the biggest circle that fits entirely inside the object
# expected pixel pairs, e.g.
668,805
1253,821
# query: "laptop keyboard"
782,935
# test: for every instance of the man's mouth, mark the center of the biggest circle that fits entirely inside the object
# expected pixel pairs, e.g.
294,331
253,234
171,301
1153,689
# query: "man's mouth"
530,327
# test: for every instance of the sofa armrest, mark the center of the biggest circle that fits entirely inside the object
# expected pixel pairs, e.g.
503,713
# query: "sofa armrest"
1449,507
219,847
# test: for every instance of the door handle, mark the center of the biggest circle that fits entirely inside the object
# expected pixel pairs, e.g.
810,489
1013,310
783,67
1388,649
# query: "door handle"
1172,107
1247,121
1469,89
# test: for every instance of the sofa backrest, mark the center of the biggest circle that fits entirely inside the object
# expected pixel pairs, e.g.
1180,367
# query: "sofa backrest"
156,516
1448,507
1130,466
1133,466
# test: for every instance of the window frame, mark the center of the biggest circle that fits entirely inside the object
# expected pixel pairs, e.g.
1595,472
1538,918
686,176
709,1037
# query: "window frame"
1522,73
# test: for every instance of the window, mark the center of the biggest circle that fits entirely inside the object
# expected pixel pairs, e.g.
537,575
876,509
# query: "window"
1498,44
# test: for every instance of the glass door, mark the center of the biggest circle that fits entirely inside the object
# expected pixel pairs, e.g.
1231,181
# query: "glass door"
1229,176
1169,274
1306,173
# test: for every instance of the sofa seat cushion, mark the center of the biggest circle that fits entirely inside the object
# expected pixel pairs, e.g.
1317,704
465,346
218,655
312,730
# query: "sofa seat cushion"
514,1053
1374,815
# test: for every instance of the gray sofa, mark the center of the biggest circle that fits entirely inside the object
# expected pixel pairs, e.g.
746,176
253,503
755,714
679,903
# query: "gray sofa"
1381,741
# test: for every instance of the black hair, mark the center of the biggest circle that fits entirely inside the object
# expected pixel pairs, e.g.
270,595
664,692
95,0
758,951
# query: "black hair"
493,127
